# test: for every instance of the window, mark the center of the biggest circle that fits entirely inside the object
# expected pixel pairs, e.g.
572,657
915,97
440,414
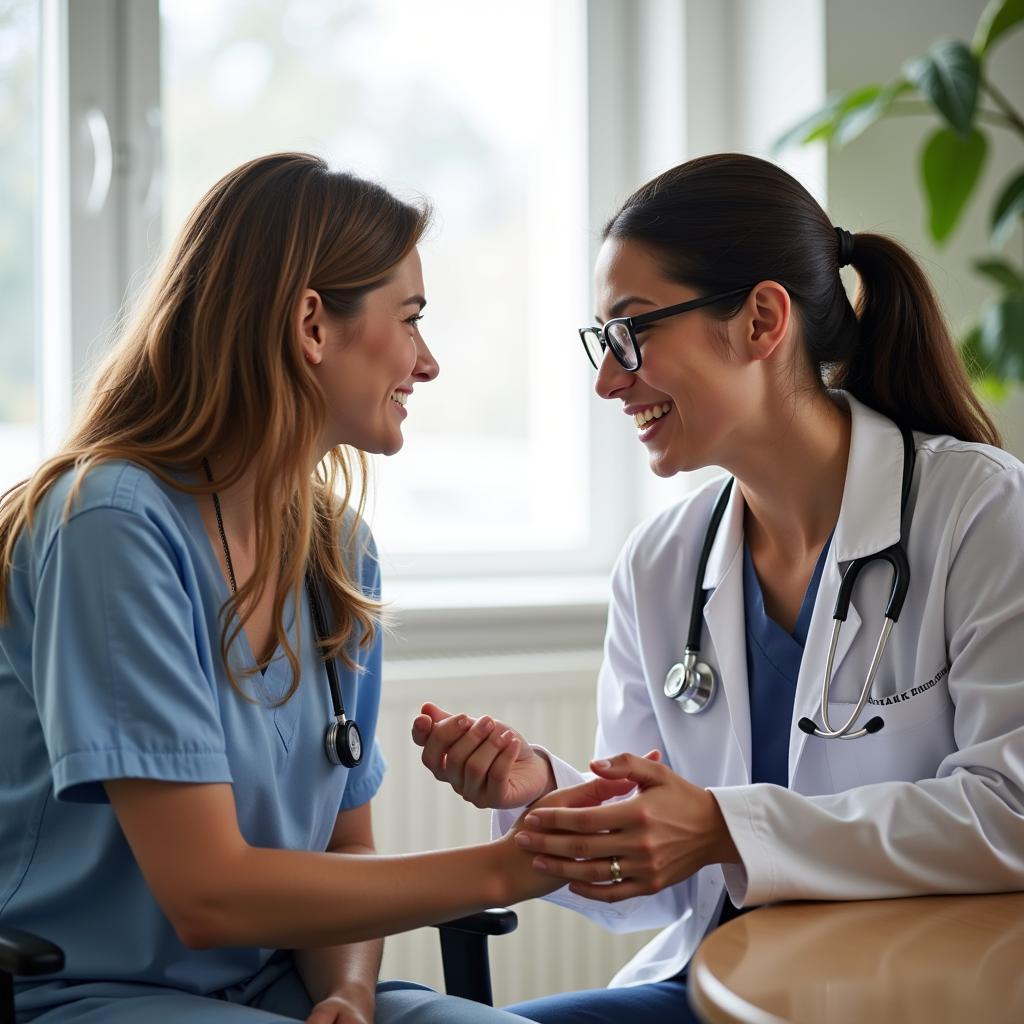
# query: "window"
19,234
525,124
482,109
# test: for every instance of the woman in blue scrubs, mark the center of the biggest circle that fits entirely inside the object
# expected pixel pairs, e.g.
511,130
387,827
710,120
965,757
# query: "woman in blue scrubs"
168,813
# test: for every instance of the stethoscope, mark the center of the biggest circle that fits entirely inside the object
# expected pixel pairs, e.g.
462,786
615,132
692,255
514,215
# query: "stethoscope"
692,683
343,742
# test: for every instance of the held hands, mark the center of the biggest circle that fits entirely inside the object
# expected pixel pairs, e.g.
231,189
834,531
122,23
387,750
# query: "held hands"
484,761
520,877
664,833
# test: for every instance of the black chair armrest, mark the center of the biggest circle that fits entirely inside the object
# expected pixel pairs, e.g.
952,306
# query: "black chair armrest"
496,921
467,966
22,953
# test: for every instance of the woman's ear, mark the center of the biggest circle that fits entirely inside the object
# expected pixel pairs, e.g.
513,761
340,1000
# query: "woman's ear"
764,321
310,320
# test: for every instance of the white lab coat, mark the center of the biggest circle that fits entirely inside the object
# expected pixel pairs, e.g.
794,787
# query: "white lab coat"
934,802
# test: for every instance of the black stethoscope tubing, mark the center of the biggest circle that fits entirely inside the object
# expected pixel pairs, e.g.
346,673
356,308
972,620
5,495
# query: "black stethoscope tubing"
692,683
343,742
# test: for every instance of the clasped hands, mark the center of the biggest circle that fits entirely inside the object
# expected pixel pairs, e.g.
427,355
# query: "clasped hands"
661,833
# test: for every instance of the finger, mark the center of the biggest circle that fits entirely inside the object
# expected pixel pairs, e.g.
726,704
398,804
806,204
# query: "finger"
592,872
643,771
422,726
323,1015
589,820
653,755
573,845
478,776
588,794
603,893
434,713
442,735
501,770
462,749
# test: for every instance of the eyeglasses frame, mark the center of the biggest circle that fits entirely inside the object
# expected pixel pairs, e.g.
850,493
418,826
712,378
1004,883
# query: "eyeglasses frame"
631,323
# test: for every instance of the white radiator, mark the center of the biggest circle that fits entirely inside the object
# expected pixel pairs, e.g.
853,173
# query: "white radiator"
550,699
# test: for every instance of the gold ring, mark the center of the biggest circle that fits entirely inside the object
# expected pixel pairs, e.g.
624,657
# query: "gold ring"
616,870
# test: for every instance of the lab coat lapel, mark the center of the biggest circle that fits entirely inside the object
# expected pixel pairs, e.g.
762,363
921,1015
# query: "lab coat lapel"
869,521
726,627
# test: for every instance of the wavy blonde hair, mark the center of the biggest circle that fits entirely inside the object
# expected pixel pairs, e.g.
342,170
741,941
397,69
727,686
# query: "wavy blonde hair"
212,362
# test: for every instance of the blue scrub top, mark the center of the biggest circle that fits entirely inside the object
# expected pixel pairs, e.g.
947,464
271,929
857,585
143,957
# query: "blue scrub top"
773,666
110,668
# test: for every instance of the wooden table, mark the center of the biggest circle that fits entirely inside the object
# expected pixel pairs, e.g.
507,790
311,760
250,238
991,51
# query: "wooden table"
931,959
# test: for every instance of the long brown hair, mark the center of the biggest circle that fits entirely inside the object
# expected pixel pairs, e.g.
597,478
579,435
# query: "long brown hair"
725,222
212,362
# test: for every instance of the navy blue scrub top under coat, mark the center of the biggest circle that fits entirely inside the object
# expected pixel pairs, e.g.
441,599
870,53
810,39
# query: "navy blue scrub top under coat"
110,667
773,666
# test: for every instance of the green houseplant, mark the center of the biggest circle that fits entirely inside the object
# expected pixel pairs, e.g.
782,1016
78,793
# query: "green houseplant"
951,82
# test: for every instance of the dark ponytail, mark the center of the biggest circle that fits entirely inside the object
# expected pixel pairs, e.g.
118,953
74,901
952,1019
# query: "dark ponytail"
725,222
905,363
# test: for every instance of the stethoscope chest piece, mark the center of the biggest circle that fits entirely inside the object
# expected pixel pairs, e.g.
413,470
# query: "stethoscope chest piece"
343,743
690,683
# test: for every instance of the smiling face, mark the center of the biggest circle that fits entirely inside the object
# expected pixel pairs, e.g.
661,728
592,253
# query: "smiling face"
368,366
694,392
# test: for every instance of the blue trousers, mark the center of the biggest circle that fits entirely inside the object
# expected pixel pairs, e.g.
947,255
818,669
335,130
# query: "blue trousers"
274,996
640,1004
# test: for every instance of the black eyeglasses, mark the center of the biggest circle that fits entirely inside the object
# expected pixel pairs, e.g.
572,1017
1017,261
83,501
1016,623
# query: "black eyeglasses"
620,334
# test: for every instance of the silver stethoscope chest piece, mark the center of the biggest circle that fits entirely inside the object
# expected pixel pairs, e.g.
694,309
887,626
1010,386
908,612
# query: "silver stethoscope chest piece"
343,743
691,683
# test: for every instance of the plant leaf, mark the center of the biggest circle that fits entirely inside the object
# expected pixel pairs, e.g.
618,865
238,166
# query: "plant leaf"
995,389
987,384
950,167
824,122
802,131
857,120
971,354
948,76
1008,209
1001,337
998,18
1002,273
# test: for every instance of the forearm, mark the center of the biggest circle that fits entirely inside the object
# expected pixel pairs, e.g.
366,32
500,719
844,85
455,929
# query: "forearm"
295,900
351,969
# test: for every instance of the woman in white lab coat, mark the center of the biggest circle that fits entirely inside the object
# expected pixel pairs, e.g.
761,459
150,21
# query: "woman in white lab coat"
801,399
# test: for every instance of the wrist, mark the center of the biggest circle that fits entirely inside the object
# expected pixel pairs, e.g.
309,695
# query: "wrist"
512,873
550,783
361,993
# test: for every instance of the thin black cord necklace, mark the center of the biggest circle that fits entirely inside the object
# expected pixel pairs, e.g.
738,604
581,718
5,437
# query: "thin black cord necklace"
343,743
220,528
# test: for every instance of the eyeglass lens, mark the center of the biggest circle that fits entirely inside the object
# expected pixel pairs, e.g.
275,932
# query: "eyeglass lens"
622,345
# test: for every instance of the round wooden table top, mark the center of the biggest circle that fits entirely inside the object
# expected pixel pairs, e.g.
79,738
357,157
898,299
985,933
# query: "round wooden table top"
930,959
